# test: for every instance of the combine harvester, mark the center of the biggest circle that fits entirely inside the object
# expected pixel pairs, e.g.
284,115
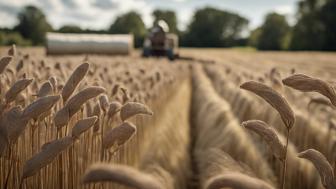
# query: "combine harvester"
65,43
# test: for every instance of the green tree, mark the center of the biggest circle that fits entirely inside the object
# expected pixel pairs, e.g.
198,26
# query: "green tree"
9,38
274,33
70,29
169,17
254,37
212,27
33,25
130,22
315,29
328,18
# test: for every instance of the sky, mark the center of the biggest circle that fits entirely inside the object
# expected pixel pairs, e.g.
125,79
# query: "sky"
99,14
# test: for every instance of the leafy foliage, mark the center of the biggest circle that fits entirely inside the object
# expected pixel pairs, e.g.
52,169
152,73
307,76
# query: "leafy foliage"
33,25
273,33
212,27
169,17
130,22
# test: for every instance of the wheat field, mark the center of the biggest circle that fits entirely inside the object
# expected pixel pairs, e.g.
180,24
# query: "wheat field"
224,119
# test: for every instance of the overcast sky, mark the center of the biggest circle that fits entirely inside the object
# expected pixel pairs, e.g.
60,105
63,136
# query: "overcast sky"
99,14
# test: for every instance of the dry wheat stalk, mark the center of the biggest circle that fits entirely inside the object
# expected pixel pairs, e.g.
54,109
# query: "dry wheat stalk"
115,89
81,97
281,105
104,102
332,124
308,84
4,61
48,153
40,106
53,82
277,101
12,50
321,101
83,125
120,174
73,81
322,165
45,90
114,108
73,105
3,141
16,88
125,95
12,124
133,108
96,112
19,66
236,181
269,135
119,135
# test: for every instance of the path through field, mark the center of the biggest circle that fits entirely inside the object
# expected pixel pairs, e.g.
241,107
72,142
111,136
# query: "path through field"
76,121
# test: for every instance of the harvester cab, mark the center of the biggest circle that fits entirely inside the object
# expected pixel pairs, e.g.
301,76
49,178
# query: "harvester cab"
160,42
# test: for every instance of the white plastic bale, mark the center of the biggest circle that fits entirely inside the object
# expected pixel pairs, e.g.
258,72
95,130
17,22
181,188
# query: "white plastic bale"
61,43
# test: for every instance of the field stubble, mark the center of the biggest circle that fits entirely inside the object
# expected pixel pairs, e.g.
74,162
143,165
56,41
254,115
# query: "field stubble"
113,122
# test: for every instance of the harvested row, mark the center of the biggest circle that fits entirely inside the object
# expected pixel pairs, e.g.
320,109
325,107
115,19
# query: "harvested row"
306,132
217,134
71,116
298,170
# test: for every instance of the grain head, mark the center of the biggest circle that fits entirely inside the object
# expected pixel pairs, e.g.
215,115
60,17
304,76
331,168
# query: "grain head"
131,109
74,80
320,101
83,125
322,165
12,51
120,174
114,108
269,135
271,96
16,88
4,61
45,90
236,181
39,106
119,135
48,153
104,102
305,83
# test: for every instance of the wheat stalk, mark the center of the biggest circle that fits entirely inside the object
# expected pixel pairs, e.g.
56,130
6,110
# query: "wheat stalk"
322,165
73,81
16,88
269,135
114,108
281,105
73,105
40,106
120,174
236,181
271,96
104,102
83,125
4,61
308,84
45,90
131,109
48,153
119,135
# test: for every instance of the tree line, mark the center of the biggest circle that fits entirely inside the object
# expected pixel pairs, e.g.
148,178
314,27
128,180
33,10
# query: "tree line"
315,28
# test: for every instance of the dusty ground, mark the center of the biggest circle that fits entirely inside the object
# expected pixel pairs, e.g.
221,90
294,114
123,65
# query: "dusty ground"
312,63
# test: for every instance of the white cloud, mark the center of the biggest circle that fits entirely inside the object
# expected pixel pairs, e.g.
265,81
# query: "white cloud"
285,9
99,14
